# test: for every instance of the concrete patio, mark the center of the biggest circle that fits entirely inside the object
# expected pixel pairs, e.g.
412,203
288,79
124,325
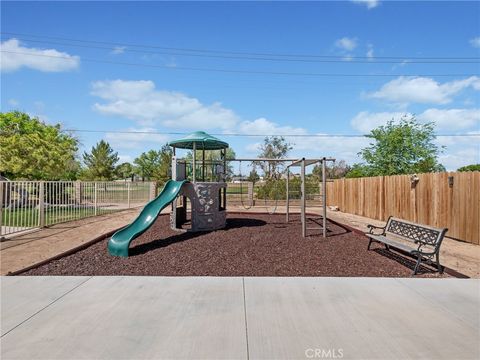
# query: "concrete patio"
239,318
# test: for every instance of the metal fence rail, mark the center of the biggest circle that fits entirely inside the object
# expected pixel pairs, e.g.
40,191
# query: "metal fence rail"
26,205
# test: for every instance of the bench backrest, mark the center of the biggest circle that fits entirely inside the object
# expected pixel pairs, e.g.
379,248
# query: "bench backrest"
423,234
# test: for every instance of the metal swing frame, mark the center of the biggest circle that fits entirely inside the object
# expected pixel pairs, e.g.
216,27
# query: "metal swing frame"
303,163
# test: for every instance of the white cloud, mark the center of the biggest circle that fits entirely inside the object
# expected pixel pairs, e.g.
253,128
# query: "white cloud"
475,42
444,119
458,156
309,146
346,43
365,121
452,119
253,148
15,56
404,90
264,126
370,4
125,158
118,50
136,138
141,102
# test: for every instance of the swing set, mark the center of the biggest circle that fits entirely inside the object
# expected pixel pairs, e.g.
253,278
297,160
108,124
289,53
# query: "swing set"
270,210
303,163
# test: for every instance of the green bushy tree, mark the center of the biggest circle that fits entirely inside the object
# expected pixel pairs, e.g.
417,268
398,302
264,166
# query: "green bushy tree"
155,165
125,171
473,167
404,148
33,150
100,162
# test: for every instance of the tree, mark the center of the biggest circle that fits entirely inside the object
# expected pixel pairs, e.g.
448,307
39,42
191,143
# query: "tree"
100,162
146,164
358,170
473,167
33,150
162,173
273,147
335,171
403,148
124,171
155,165
253,176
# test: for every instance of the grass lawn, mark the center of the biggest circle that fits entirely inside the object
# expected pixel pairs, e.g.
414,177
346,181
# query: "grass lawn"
30,217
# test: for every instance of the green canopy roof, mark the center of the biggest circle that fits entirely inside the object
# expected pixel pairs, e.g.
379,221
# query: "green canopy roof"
202,141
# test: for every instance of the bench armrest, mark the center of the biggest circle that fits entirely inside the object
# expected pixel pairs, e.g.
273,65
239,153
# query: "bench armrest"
371,228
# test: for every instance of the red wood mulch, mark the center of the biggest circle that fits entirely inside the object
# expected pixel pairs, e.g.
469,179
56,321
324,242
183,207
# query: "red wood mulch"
251,245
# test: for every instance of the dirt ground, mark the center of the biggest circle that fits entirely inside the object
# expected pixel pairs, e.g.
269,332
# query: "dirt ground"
251,245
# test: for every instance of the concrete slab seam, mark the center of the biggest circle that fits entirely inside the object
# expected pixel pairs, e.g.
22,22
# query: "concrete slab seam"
46,306
245,315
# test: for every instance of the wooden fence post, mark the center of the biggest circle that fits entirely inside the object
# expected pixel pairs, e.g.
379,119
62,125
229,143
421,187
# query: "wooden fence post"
413,200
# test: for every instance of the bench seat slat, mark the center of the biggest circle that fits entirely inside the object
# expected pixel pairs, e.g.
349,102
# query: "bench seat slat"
392,243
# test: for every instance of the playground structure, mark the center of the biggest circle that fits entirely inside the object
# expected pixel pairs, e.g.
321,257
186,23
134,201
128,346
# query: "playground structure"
200,186
207,198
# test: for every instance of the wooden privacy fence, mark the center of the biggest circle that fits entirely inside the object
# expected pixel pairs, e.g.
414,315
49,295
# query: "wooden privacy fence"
450,199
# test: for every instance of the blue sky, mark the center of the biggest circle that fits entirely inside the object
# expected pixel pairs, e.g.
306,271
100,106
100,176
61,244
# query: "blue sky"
57,80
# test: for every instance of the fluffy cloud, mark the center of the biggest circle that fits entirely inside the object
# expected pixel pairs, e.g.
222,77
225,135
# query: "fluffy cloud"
365,121
460,151
15,56
141,102
445,119
370,4
456,159
134,138
125,158
406,90
264,126
347,44
310,146
452,119
475,42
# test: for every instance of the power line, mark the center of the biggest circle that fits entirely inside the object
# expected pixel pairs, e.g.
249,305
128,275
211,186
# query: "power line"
236,71
237,52
249,135
338,59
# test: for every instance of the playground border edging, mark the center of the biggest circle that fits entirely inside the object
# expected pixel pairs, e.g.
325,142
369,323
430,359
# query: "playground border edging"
65,253
448,270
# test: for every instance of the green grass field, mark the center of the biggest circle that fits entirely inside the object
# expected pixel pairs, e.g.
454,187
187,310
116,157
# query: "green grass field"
30,217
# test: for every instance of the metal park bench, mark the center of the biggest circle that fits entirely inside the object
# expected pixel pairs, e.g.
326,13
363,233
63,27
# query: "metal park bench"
427,239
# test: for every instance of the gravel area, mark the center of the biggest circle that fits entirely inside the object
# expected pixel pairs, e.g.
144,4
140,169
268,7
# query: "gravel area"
251,245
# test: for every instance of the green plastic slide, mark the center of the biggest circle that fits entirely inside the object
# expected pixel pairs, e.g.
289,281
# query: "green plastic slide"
120,241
